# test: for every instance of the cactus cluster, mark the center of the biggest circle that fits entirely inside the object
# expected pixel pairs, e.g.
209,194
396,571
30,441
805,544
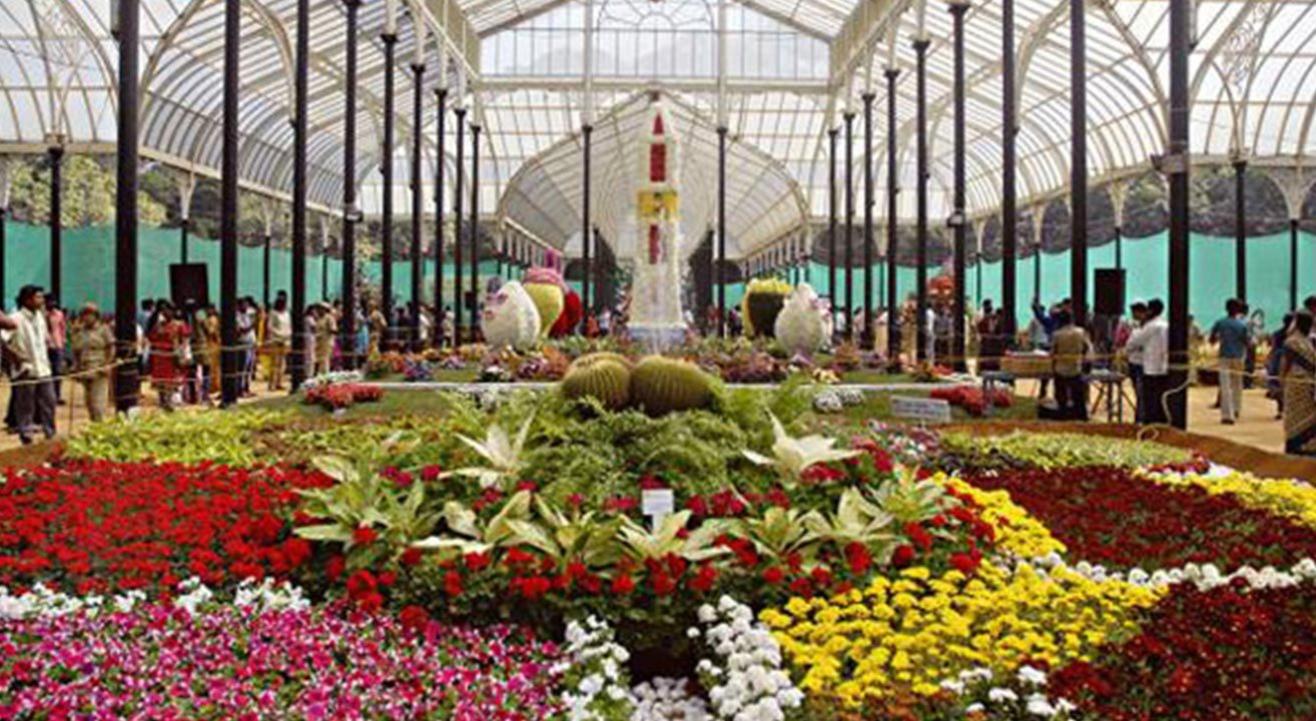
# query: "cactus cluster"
656,384
603,376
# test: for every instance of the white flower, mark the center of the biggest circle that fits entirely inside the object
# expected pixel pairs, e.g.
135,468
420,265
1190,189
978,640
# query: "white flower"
1030,675
1039,706
998,695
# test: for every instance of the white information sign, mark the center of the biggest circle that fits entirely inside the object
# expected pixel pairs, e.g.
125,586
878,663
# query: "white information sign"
925,410
657,503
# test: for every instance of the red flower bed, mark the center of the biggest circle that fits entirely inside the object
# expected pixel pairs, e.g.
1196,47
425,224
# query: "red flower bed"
342,395
971,398
97,526
1211,655
1111,517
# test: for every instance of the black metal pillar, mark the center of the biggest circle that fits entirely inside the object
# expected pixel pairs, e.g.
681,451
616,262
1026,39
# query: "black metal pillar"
56,155
440,156
417,199
324,272
474,310
127,385
265,272
849,225
1009,162
458,208
958,225
1178,166
230,356
831,222
866,339
351,215
386,294
921,272
586,225
892,224
297,363
183,227
1078,163
1119,247
720,262
1293,264
1240,229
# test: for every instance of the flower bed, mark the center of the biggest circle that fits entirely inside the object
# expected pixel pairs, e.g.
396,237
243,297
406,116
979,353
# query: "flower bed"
158,660
98,526
810,568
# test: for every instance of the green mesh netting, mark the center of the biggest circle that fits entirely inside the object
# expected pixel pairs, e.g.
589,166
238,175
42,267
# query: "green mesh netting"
89,270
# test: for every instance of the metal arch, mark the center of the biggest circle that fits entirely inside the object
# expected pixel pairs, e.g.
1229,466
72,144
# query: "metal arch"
1268,106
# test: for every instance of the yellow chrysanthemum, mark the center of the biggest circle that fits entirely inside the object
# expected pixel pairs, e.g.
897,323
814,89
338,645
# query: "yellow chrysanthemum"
928,629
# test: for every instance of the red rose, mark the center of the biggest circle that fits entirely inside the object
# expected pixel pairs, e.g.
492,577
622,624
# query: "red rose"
859,558
802,587
622,585
387,578
662,584
964,563
478,561
411,557
704,579
452,584
773,575
431,473
364,536
414,618
903,556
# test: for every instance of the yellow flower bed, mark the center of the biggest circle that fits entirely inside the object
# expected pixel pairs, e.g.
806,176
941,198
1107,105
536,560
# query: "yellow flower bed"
1017,532
911,633
1287,498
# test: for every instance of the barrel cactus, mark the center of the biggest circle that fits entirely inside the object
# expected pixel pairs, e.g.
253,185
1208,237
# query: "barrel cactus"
661,385
510,318
763,300
800,326
546,288
602,376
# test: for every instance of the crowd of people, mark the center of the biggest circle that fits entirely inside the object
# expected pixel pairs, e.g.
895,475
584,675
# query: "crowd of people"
179,348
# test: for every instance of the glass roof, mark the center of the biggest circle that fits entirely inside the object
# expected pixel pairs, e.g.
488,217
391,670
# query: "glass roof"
1254,96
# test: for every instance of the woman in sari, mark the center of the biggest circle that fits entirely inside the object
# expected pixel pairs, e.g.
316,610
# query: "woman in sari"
170,354
1299,378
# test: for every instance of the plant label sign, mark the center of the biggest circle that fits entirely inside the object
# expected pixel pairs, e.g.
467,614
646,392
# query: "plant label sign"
657,503
925,410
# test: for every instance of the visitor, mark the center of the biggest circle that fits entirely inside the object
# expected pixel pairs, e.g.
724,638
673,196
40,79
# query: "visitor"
1256,330
1274,362
246,333
1070,350
1231,333
378,329
57,342
1151,342
1310,305
447,326
1299,377
214,344
144,349
170,354
1133,356
278,336
325,328
93,358
605,321
991,343
33,391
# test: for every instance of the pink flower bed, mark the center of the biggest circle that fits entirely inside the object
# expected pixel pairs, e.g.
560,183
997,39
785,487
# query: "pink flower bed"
160,662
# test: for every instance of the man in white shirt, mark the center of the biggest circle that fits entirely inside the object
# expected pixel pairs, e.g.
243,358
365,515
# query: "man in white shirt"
1152,341
33,389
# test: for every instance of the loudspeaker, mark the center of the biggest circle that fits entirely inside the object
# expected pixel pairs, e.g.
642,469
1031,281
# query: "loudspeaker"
189,282
1110,291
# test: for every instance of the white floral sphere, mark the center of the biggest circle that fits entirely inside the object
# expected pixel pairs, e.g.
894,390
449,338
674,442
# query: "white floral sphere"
510,318
800,326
